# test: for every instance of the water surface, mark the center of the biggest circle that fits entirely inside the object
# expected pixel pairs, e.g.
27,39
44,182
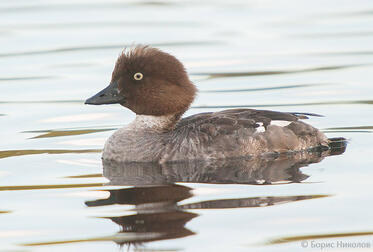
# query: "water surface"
296,56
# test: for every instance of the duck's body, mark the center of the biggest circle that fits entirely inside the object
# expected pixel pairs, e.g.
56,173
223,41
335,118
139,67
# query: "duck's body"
160,92
225,134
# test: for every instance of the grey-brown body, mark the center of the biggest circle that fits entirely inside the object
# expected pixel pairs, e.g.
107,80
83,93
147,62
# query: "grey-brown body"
219,135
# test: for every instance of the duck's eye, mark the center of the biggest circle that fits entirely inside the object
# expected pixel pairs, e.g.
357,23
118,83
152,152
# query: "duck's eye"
138,76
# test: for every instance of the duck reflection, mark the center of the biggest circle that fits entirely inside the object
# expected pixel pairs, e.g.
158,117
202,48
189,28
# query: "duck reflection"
157,200
157,215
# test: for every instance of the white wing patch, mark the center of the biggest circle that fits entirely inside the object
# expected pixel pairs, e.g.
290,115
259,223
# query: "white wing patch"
260,128
280,123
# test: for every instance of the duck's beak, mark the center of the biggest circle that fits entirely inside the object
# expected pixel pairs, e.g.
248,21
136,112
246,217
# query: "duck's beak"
108,95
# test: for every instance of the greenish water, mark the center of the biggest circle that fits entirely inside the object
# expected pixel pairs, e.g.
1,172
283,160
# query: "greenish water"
297,56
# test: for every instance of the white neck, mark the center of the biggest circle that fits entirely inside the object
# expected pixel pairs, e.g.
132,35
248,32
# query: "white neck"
153,122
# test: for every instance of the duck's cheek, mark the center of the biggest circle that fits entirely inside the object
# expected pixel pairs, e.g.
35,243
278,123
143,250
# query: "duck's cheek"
131,104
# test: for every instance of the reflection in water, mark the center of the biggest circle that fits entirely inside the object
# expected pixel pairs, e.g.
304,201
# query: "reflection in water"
158,215
156,199
249,202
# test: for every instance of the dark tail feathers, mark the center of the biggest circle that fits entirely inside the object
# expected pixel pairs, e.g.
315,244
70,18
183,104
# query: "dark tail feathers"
337,145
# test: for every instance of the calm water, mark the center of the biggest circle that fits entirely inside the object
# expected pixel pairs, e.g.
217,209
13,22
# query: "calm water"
307,56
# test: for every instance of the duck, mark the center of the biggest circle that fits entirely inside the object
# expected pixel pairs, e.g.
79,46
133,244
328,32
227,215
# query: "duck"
156,87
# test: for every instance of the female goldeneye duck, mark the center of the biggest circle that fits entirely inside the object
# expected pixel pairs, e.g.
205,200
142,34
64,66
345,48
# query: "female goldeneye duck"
155,86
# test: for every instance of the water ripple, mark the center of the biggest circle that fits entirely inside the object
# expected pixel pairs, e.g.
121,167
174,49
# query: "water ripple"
335,35
366,102
42,102
258,73
81,6
25,78
260,89
101,47
343,53
356,129
13,153
60,133
79,25
46,187
287,239
93,175
369,102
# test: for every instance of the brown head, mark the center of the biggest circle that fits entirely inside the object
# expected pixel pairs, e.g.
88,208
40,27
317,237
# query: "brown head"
148,82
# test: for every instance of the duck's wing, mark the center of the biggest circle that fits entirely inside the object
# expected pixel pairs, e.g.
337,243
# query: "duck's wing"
239,118
238,132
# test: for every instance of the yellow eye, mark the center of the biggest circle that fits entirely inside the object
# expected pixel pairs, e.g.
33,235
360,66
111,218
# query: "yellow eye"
138,76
